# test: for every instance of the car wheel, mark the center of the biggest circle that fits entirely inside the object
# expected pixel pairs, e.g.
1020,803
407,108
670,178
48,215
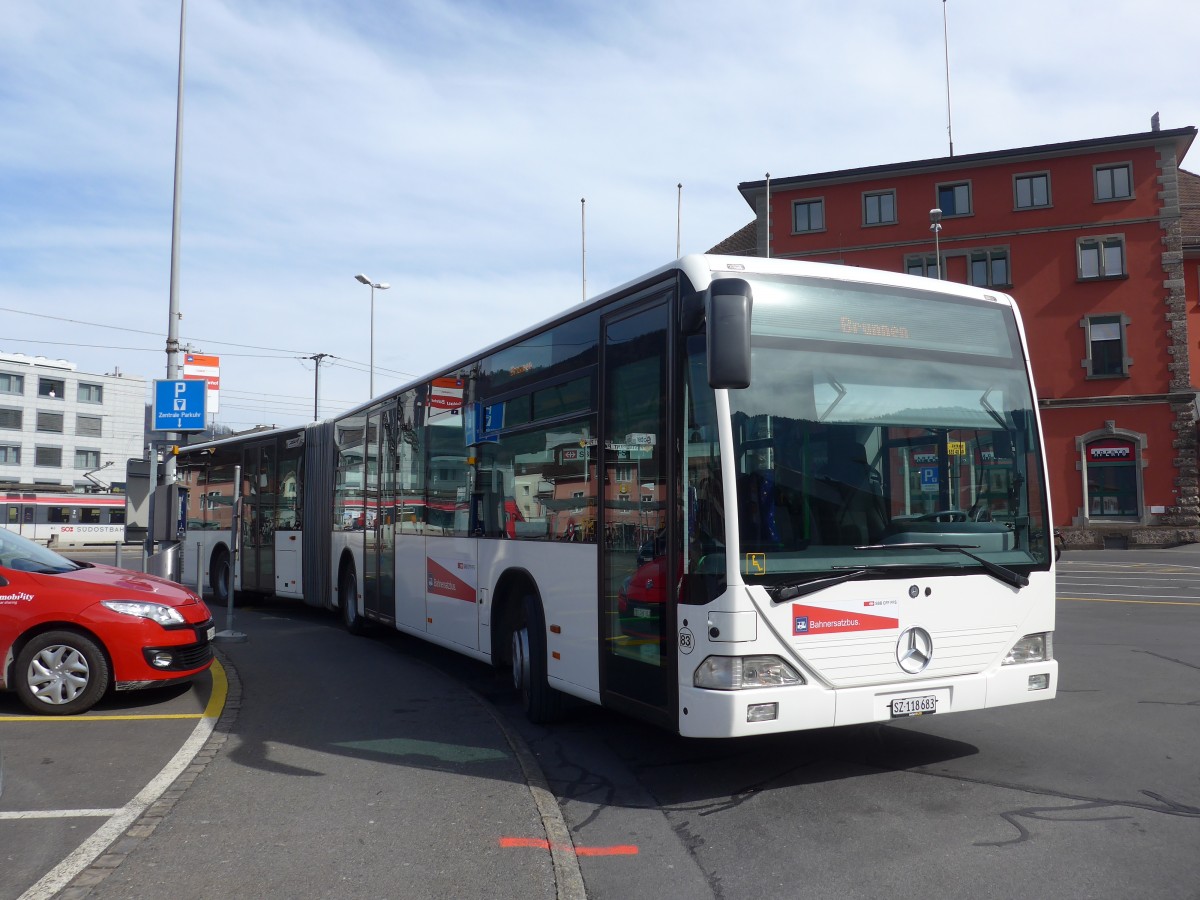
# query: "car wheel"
219,576
348,601
61,673
540,701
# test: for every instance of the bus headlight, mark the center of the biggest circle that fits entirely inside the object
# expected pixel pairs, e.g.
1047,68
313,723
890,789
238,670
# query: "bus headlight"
735,673
1031,648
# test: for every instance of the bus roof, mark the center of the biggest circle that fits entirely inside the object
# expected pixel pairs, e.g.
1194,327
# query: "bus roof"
700,271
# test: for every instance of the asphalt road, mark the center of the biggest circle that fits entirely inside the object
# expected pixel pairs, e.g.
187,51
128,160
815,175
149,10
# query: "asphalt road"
1095,794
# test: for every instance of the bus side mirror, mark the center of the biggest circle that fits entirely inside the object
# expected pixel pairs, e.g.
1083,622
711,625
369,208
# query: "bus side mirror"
728,318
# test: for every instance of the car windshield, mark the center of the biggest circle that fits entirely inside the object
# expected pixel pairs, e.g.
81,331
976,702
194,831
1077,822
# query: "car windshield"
881,429
23,555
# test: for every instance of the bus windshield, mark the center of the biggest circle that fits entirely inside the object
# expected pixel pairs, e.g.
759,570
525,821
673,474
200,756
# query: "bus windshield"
883,430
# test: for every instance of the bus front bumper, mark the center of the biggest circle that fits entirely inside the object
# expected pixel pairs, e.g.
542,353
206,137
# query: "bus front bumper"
707,713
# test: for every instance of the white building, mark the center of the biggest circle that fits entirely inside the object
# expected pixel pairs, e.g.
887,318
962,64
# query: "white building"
58,426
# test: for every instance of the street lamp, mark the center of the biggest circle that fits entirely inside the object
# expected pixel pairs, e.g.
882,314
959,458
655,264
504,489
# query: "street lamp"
383,286
935,218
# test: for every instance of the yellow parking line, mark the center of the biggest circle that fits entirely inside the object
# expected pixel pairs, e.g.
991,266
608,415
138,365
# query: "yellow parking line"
1141,602
216,702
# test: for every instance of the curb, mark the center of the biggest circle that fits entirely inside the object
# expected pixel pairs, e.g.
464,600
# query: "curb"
116,853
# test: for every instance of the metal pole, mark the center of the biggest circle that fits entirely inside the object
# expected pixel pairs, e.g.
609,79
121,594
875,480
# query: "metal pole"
372,339
173,366
583,239
235,535
678,217
768,215
946,46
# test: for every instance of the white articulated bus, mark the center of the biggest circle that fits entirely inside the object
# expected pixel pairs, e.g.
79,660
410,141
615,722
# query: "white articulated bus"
735,496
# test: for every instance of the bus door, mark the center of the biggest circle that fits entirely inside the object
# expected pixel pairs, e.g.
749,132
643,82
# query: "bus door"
379,532
637,559
408,549
258,519
451,549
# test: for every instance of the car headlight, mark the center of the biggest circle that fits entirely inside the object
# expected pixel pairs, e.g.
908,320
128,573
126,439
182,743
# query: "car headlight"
735,673
156,612
1031,648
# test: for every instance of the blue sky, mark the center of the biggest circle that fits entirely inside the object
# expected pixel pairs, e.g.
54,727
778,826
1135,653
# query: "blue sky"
443,147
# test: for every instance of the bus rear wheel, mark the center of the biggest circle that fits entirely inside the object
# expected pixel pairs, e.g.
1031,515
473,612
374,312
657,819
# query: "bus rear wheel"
220,576
348,601
540,701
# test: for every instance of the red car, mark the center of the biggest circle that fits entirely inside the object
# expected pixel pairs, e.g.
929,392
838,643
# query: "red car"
70,632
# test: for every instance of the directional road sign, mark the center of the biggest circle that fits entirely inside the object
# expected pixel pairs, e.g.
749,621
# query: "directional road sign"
179,405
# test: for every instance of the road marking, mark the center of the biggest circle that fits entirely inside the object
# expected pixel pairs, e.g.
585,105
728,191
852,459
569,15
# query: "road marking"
87,852
542,844
58,813
77,719
1138,602
148,717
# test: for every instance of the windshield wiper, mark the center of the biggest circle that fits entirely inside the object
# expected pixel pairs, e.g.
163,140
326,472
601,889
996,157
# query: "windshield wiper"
780,593
1002,573
791,591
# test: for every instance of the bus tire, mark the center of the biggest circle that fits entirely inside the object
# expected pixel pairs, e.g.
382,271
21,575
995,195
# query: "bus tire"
61,673
348,600
220,577
540,701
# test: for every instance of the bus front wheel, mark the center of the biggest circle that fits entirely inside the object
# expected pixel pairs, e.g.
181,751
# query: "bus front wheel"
540,701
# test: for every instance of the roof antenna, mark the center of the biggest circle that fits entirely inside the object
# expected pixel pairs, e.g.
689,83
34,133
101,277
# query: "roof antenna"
946,48
768,215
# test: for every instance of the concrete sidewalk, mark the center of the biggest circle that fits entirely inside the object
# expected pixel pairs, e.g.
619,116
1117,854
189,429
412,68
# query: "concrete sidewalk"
343,767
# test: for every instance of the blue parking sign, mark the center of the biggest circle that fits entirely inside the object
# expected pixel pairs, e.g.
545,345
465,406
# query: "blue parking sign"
929,479
180,405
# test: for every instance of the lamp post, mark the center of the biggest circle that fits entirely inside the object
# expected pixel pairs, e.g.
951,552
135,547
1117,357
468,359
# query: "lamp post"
935,219
383,286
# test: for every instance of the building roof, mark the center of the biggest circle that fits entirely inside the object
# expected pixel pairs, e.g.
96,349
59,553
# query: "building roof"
742,242
1189,208
1182,137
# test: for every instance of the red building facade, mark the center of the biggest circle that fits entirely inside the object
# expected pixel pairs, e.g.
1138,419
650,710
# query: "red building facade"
1099,241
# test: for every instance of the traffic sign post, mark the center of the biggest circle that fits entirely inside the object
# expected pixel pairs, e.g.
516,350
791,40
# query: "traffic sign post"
179,405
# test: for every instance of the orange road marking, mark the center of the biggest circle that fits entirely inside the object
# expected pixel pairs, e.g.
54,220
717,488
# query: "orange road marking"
542,844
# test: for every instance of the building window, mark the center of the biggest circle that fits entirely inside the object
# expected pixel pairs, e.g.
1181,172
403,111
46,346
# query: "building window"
989,268
52,388
954,199
91,393
11,383
11,419
87,459
88,426
1106,346
1114,182
1031,191
879,208
808,215
10,455
50,422
48,456
925,265
1112,479
1101,257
